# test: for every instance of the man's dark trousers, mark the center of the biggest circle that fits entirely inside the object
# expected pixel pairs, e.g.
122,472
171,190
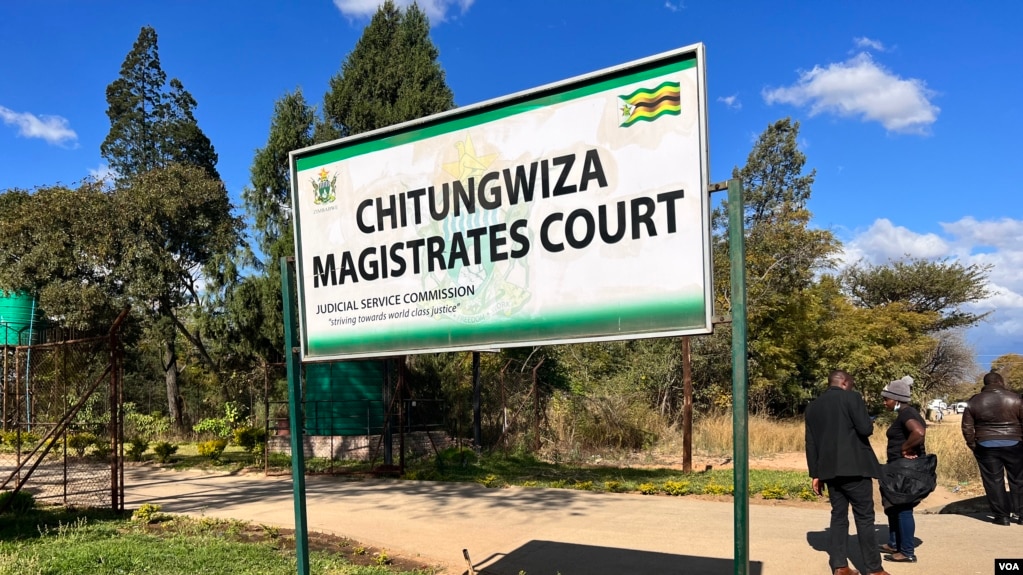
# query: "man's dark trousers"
997,463
859,493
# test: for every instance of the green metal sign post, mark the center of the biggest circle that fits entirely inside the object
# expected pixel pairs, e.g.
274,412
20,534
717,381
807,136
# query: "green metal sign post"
740,387
297,414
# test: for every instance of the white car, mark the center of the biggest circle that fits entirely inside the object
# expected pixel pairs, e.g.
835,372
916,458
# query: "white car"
938,404
959,407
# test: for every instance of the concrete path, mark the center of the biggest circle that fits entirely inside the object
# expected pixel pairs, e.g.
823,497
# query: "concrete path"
551,531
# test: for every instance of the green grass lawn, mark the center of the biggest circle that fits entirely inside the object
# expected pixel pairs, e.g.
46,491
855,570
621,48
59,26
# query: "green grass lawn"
496,470
58,541
502,471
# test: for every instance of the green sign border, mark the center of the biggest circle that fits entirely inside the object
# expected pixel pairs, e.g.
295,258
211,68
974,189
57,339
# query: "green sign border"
653,320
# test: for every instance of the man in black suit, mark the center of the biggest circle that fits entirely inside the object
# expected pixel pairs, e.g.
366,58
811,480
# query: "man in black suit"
839,456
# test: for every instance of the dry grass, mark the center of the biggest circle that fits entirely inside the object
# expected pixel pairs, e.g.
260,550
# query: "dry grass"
610,429
712,435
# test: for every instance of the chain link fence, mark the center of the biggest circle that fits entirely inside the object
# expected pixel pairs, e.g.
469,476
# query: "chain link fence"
61,437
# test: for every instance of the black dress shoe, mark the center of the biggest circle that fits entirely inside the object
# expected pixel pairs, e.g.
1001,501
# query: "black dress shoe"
900,558
1001,521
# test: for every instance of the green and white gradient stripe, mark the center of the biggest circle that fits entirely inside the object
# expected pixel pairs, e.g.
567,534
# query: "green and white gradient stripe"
316,160
608,320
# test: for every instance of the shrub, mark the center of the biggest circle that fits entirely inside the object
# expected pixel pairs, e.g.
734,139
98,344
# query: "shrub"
648,489
146,513
164,451
612,422
491,480
614,487
19,502
101,449
215,426
136,447
455,457
807,494
148,426
79,442
583,485
773,492
14,437
715,489
250,439
677,487
221,427
212,449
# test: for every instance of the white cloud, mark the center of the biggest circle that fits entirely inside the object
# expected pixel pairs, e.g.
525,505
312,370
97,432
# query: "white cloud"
102,173
859,87
1005,232
435,10
53,129
674,6
885,241
1003,297
864,42
731,101
968,241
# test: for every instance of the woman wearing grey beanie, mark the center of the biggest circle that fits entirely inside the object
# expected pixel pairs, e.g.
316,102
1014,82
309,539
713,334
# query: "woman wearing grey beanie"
905,440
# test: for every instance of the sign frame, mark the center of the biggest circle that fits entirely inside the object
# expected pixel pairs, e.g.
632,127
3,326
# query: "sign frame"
311,269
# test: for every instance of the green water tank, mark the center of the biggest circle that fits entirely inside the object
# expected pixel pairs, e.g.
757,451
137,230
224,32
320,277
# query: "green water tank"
18,316
344,398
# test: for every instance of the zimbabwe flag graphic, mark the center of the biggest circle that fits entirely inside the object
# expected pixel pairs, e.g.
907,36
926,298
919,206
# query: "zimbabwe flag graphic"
646,105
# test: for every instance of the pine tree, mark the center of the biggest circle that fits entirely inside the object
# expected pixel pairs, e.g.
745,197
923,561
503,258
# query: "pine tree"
391,76
136,107
149,125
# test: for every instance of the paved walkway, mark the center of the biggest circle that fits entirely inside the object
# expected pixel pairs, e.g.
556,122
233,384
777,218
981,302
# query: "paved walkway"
550,531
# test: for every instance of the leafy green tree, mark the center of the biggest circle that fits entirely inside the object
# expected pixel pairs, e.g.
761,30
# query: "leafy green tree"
176,227
783,256
174,222
1010,366
391,76
936,291
51,245
875,345
942,286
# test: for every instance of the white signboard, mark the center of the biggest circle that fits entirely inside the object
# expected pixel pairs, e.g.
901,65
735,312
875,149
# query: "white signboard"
574,212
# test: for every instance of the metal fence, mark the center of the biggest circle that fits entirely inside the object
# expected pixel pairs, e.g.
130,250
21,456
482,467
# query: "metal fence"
61,428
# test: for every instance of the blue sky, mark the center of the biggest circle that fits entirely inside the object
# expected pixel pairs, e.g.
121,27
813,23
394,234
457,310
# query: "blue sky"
910,112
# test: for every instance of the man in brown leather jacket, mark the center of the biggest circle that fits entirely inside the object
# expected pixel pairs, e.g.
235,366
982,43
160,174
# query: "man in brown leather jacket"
993,428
